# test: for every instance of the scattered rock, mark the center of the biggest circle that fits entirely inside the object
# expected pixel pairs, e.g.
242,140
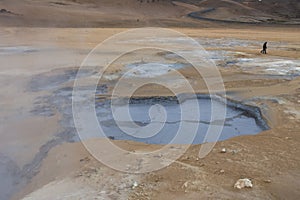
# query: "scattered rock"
267,181
86,159
223,150
185,185
4,11
202,165
234,152
102,192
134,185
111,137
243,183
60,3
220,172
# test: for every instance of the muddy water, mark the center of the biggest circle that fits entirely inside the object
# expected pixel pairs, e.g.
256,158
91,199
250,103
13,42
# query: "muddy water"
239,120
10,176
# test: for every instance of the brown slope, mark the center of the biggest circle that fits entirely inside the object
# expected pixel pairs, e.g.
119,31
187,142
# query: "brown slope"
140,13
248,10
90,13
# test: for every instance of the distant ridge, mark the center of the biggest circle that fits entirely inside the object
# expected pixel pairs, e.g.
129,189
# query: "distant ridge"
141,13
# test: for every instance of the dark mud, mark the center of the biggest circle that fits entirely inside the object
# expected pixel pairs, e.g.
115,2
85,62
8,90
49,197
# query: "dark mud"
240,119
10,175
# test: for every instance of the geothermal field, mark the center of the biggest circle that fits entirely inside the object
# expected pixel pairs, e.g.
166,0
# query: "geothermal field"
149,99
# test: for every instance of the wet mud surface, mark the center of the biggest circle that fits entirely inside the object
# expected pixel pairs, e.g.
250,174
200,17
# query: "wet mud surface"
239,119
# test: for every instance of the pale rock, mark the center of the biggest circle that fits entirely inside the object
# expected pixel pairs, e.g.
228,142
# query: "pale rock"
243,183
234,152
185,185
267,181
134,185
223,150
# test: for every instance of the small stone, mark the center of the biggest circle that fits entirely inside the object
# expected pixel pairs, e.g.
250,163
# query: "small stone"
267,181
243,183
134,185
197,159
223,150
111,137
222,171
86,159
185,185
234,152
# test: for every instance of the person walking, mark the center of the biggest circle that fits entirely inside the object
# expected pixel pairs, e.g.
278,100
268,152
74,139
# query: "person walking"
264,50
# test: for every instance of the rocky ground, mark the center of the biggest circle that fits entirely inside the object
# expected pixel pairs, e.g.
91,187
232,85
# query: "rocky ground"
44,160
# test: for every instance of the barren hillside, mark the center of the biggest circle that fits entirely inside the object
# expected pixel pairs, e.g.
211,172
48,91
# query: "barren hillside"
138,13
